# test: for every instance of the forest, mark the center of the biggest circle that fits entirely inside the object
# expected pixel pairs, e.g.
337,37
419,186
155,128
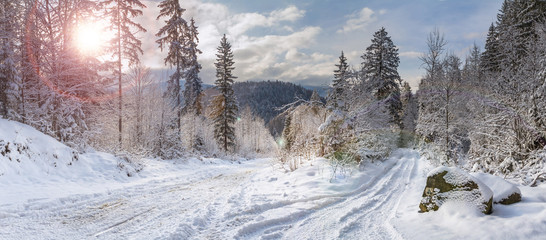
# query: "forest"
484,112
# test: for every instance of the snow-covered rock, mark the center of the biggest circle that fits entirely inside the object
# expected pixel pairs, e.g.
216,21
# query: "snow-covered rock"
504,192
447,184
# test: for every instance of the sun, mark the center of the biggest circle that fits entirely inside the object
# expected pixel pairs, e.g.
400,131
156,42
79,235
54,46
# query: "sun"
90,38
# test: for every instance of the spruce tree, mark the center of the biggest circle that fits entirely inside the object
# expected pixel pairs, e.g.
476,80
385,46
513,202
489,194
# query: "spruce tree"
339,85
315,99
224,106
8,72
193,86
380,69
287,134
174,36
490,61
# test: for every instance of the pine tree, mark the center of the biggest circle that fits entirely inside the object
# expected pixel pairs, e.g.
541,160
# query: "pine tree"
411,111
286,133
9,76
490,61
224,105
174,36
125,45
193,85
472,71
380,68
315,99
335,98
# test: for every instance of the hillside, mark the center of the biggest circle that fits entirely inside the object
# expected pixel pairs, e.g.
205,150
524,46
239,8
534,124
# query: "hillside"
264,98
30,159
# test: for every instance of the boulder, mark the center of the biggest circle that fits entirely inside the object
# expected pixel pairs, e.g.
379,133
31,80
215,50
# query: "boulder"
452,184
504,192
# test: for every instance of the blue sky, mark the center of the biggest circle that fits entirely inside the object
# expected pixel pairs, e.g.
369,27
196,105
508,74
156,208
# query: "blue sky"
300,41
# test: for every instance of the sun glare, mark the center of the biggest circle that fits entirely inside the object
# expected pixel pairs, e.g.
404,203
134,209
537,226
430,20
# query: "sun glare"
90,38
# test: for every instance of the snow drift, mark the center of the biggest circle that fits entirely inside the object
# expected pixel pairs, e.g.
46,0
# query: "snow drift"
29,158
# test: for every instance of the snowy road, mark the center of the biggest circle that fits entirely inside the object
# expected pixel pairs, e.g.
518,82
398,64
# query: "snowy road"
216,199
245,201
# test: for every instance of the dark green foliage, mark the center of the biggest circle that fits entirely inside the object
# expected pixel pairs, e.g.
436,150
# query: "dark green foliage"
339,85
267,97
380,68
224,105
193,86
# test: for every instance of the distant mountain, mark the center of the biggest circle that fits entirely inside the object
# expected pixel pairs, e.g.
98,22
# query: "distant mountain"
264,98
321,90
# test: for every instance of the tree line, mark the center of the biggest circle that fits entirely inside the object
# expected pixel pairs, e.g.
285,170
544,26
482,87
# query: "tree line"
485,113
114,104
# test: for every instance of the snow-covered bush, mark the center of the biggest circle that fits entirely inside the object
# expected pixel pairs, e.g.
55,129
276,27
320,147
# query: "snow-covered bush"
301,139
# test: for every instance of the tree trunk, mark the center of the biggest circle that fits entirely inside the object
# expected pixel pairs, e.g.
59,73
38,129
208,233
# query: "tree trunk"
119,80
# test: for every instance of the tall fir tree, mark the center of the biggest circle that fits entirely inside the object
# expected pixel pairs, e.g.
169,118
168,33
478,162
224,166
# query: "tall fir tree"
193,86
174,36
125,45
9,76
336,96
380,69
224,105
490,61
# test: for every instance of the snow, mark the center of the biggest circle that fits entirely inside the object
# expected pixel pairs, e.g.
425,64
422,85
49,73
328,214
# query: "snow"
523,220
501,188
458,177
202,198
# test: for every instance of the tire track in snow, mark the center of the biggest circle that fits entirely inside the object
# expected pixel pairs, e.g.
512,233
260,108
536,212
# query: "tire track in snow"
313,221
129,212
377,209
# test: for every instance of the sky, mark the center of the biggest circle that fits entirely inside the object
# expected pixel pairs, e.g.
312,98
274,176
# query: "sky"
301,41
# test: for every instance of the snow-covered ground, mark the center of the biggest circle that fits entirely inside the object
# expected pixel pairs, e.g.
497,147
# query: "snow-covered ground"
255,199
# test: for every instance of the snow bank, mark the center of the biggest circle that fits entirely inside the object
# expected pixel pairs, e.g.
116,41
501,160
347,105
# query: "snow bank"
31,160
502,189
524,220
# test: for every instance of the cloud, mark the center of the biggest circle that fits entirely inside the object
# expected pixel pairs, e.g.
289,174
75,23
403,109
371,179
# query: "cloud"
284,54
411,54
475,35
241,23
359,20
274,56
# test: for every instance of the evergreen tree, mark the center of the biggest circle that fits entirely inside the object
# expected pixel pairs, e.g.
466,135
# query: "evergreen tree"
286,133
193,85
411,112
124,45
174,36
224,105
315,99
490,61
8,73
336,95
472,71
380,69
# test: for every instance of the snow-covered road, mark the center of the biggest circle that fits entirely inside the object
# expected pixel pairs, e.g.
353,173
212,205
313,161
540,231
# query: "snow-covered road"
249,200
216,199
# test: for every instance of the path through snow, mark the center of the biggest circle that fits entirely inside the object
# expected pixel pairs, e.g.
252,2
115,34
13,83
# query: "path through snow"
255,200
249,200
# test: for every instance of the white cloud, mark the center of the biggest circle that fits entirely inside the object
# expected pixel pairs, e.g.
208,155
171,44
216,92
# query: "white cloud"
411,54
291,14
475,35
283,55
359,20
270,56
